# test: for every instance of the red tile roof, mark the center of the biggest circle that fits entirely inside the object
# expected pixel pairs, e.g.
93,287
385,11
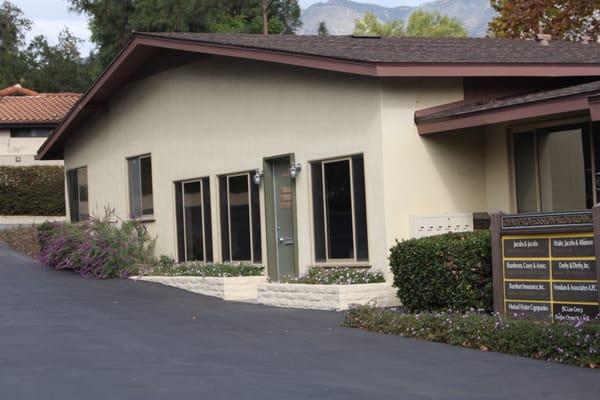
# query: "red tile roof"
17,90
45,108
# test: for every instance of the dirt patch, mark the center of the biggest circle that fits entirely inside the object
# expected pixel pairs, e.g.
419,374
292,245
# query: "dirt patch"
23,239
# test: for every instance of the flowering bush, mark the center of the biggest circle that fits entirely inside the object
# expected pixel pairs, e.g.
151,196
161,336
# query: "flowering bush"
338,276
575,344
100,247
446,271
167,267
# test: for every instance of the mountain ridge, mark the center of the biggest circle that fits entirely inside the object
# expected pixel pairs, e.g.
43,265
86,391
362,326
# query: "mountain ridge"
339,15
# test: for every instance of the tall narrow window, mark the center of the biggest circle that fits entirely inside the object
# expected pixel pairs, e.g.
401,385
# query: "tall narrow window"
140,186
525,171
339,210
77,188
554,169
194,220
240,219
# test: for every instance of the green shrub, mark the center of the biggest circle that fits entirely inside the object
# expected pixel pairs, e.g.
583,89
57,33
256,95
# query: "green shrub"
36,190
451,271
551,341
167,267
100,247
337,276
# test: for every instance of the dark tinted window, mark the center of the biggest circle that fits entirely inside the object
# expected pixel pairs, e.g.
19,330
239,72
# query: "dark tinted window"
224,214
339,210
30,132
338,207
192,205
239,218
525,171
140,186
146,184
360,209
318,211
77,188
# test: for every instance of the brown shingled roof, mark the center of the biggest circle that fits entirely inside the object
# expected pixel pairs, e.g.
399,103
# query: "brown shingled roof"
406,49
41,109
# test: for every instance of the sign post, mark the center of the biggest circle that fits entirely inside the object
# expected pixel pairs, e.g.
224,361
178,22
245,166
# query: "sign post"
545,266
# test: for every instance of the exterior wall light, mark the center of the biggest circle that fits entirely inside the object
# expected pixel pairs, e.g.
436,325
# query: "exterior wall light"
295,170
257,177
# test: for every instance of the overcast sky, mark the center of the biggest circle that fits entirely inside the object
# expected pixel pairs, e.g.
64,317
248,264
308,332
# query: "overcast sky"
52,16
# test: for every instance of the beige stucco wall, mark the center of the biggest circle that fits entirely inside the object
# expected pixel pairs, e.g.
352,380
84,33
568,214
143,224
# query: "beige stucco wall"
215,117
427,176
498,171
24,149
220,116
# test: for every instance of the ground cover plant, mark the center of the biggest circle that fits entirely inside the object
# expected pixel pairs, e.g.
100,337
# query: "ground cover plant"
451,271
167,267
23,239
337,276
574,344
104,247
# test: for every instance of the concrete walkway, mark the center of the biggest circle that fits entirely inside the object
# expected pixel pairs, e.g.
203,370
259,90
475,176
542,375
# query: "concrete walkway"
64,337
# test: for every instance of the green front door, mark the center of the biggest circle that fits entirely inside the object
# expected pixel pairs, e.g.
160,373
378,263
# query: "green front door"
283,197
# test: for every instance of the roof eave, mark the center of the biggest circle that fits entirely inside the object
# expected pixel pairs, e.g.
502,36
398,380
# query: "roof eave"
503,115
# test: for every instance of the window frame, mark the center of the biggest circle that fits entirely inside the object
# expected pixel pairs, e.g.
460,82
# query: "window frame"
336,261
251,219
205,228
228,177
142,216
69,183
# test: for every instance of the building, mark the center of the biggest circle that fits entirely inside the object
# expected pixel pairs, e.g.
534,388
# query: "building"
26,120
300,151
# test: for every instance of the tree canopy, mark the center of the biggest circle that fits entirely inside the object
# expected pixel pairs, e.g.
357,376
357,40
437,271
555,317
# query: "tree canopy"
420,23
371,25
563,19
13,26
113,21
322,30
39,65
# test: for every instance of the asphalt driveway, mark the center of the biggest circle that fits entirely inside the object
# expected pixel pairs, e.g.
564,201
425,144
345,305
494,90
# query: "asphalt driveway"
64,337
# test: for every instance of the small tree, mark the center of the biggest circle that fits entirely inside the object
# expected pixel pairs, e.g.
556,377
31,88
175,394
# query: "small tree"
434,24
371,25
420,23
563,19
323,31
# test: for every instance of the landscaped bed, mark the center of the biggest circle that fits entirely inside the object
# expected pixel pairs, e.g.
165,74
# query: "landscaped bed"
575,344
23,239
227,281
336,288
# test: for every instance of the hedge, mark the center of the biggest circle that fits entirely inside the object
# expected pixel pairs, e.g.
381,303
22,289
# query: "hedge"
451,271
35,190
575,344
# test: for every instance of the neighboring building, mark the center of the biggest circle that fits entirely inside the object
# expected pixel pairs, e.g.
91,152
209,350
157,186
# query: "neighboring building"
360,141
26,120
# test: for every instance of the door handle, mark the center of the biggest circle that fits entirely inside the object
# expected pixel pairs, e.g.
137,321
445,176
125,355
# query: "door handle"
286,241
